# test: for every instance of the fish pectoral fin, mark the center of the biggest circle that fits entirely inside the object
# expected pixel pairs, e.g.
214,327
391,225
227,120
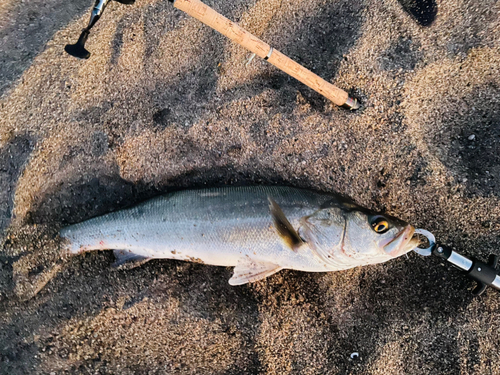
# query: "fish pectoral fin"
283,227
248,271
127,260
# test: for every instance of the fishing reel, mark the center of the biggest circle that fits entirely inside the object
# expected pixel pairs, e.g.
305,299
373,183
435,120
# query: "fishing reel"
484,274
78,49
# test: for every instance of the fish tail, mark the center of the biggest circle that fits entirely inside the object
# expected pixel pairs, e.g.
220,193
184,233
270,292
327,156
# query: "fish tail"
68,247
70,243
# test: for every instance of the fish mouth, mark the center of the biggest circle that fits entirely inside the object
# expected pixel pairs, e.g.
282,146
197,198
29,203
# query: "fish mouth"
402,243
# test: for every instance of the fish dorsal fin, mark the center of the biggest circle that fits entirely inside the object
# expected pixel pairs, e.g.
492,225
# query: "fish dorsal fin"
285,230
127,260
248,271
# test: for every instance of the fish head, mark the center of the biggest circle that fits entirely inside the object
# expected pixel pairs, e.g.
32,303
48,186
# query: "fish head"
347,235
374,238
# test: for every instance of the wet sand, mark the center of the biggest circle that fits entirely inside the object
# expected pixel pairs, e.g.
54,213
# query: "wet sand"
166,103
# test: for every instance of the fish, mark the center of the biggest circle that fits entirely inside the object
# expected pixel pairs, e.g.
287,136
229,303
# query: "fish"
258,230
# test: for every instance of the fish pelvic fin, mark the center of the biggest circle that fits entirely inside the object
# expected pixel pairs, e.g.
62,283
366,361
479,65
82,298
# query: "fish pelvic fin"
128,260
248,271
283,227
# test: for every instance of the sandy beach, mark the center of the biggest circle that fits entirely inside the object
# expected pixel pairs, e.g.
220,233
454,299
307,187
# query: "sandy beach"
166,103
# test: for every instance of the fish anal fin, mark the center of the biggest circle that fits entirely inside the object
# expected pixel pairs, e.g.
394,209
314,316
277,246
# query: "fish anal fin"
283,227
126,259
248,271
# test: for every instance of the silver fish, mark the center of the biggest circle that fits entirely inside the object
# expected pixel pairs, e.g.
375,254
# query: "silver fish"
257,230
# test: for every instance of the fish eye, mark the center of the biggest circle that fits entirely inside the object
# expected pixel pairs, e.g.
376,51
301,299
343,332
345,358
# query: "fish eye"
380,225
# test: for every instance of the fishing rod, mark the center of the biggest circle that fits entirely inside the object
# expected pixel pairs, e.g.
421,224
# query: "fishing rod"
218,22
484,274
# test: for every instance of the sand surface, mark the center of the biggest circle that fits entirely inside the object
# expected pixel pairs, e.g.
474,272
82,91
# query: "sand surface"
165,103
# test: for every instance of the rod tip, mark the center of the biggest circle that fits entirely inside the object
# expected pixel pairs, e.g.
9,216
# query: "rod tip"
351,104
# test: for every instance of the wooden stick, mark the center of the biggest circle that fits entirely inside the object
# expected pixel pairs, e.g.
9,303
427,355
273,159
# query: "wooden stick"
216,21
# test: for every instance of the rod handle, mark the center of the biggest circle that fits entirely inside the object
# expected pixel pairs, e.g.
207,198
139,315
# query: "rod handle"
308,78
218,22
